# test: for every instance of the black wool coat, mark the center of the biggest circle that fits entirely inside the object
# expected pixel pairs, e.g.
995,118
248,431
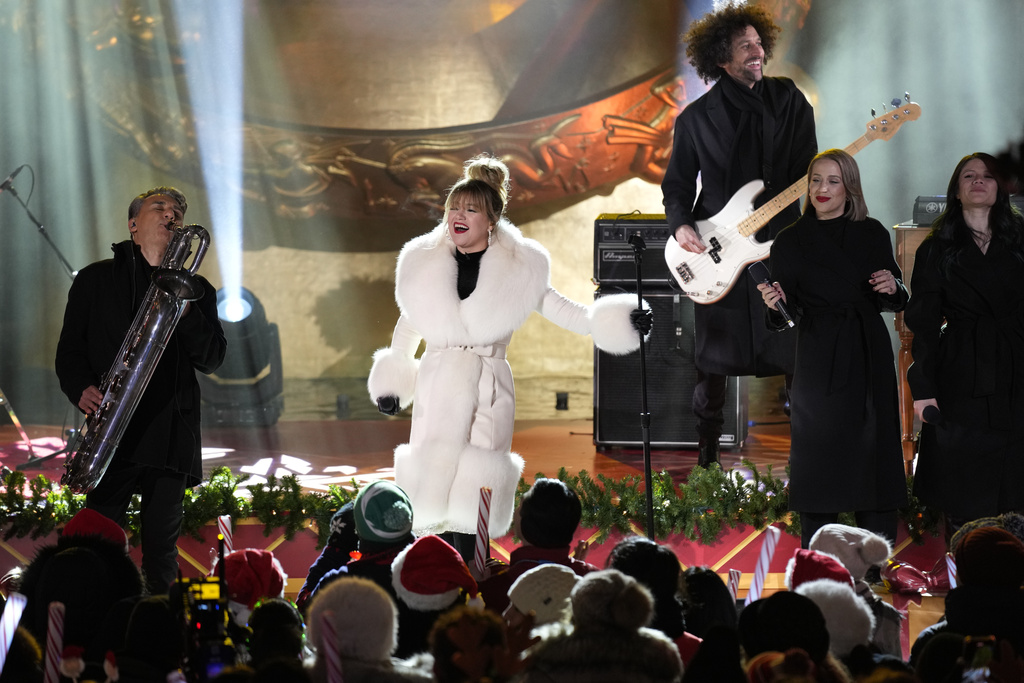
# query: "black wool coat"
968,353
846,452
730,336
165,428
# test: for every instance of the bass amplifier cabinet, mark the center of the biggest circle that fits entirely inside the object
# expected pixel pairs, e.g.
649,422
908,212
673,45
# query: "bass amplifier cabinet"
671,376
613,256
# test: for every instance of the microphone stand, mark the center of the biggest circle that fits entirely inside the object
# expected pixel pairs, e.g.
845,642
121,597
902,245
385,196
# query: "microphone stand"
42,231
17,423
638,244
33,459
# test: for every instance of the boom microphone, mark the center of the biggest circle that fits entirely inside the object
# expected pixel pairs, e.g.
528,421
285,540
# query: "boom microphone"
760,273
6,184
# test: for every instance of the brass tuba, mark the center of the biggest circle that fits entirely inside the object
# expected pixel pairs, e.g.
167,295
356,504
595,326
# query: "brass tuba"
122,387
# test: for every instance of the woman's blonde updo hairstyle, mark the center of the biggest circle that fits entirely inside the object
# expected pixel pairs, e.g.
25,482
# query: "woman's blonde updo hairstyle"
485,181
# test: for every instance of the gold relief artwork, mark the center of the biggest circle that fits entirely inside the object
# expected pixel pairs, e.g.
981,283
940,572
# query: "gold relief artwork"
300,175
138,81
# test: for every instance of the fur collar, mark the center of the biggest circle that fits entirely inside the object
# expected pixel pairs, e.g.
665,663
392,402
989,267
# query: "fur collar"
514,275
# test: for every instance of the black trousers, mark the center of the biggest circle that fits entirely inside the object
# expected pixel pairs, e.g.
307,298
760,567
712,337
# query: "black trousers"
161,512
708,402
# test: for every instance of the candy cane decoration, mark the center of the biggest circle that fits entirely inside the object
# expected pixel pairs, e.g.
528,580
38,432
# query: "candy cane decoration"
9,623
734,583
224,529
771,539
329,648
483,540
54,642
951,566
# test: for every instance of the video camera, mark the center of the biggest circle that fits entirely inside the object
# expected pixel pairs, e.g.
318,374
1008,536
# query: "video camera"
209,648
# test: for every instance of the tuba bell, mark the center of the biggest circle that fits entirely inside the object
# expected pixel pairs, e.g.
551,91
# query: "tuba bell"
172,287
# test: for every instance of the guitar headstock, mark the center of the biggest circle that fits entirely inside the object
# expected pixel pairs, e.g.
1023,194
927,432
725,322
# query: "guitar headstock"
885,126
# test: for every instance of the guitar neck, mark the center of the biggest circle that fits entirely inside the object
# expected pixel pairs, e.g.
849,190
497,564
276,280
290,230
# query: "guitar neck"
774,206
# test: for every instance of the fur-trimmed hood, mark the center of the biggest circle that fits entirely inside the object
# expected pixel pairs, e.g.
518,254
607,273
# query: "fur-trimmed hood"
514,271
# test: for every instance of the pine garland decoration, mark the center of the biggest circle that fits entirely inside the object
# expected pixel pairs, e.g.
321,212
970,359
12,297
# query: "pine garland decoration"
699,508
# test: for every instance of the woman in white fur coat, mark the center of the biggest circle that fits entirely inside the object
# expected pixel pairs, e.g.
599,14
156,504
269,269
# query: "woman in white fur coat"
464,288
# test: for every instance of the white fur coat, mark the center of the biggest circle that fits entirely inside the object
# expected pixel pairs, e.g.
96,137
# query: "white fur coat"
461,387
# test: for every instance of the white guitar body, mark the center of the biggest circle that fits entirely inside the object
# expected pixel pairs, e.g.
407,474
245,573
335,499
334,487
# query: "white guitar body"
709,276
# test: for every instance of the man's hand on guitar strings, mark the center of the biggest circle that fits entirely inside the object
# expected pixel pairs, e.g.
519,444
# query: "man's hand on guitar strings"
689,240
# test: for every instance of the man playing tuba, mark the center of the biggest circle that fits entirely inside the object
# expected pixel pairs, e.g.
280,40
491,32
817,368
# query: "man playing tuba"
159,453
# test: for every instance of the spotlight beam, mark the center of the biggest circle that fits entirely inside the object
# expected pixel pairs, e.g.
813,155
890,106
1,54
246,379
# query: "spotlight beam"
212,38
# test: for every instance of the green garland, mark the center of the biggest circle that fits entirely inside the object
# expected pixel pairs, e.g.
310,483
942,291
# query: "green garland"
700,508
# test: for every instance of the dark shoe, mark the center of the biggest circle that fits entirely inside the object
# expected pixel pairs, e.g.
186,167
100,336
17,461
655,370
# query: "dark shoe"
708,452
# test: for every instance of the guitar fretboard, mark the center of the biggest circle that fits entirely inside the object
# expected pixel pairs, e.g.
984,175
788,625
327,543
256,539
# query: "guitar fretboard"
774,206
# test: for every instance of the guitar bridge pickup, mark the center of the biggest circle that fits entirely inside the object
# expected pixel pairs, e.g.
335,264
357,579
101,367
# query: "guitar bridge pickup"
685,274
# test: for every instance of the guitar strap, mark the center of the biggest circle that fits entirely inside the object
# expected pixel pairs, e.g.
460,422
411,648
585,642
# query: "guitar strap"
767,144
764,94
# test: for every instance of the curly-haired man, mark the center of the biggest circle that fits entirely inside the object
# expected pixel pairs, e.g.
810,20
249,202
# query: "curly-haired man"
746,127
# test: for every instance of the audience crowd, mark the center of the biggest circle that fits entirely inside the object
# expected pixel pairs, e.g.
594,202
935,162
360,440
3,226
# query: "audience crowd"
383,605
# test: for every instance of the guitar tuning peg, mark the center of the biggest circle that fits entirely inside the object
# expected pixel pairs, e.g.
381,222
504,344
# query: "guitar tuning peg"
872,112
895,102
884,105
906,96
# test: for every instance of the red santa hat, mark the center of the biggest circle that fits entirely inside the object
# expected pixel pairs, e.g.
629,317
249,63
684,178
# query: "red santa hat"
253,575
810,565
87,522
430,575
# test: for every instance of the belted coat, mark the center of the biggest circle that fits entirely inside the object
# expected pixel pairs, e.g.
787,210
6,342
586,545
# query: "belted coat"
846,452
461,386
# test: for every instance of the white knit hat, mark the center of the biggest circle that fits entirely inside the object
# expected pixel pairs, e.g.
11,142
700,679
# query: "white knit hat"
858,549
544,590
364,616
847,616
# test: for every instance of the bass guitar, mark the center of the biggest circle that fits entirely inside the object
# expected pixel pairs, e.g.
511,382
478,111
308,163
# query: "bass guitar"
729,234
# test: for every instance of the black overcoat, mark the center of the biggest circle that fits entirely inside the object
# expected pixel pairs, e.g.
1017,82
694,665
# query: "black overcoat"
846,453
730,337
165,428
968,352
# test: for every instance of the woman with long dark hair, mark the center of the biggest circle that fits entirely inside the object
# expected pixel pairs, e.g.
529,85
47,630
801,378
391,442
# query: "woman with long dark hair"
967,316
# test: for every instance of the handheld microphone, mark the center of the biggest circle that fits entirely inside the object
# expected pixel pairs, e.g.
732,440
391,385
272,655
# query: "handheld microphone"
933,415
6,184
760,273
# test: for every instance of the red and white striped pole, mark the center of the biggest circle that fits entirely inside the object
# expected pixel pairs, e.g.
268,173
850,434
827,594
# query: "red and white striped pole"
771,539
329,648
13,610
54,642
483,539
